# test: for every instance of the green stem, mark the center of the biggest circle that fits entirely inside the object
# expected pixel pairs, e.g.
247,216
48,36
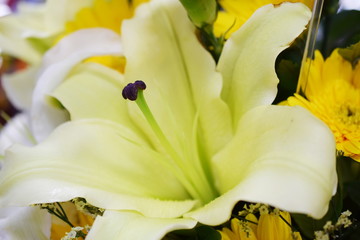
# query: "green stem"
212,43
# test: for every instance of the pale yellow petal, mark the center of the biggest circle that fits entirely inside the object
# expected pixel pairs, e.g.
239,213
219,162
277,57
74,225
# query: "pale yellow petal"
248,59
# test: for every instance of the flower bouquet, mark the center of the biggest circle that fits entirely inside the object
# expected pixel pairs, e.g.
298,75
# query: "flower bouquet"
180,119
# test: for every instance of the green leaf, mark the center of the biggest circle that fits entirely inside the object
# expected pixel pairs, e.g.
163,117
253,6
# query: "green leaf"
288,73
201,232
287,68
353,189
340,30
207,233
348,170
352,53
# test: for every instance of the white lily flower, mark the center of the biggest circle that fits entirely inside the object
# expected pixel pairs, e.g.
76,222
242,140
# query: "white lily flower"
16,131
209,138
29,42
24,223
21,222
29,28
57,64
26,35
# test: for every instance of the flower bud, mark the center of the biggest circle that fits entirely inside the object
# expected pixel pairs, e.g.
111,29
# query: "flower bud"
201,12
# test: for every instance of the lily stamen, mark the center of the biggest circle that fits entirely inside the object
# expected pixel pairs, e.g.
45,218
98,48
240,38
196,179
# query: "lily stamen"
131,90
134,92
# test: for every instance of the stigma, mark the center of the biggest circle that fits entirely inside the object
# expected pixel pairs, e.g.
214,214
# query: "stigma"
131,90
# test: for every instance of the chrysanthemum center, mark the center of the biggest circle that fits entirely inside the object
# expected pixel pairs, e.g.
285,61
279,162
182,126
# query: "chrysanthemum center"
350,115
338,105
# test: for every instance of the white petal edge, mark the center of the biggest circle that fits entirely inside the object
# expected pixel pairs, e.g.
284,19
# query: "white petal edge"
50,18
58,12
58,62
17,130
20,85
76,93
118,225
247,62
12,39
29,223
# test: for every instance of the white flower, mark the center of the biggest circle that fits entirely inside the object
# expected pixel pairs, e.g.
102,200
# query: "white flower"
30,223
214,140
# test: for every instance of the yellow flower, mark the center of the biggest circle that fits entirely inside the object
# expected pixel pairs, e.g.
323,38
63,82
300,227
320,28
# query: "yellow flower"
236,13
332,93
77,218
269,226
241,229
104,14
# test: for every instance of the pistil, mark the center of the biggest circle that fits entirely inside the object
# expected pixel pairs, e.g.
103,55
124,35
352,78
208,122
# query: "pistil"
198,190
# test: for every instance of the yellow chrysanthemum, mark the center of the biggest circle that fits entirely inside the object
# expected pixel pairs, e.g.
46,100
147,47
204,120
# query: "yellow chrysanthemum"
332,93
269,226
236,13
106,14
103,13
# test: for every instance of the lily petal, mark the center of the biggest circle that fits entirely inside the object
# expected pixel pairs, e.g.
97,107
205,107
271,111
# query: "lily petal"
17,130
41,20
21,222
58,62
19,86
128,225
77,93
179,72
101,161
12,30
58,12
247,62
24,223
81,101
281,156
45,20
